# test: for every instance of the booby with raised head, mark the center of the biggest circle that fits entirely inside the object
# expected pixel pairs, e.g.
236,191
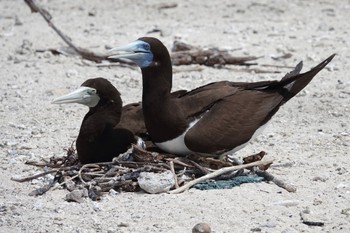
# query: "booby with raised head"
212,120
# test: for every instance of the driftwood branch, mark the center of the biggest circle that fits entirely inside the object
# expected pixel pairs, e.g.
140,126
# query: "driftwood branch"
44,189
29,178
47,16
279,183
84,53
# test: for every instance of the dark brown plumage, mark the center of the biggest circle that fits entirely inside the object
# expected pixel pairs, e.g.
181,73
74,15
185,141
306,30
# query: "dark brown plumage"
218,118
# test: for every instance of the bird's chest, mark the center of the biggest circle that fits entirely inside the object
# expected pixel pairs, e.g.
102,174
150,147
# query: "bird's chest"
177,144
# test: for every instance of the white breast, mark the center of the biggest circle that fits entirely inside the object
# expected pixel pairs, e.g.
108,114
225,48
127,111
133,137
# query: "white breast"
177,145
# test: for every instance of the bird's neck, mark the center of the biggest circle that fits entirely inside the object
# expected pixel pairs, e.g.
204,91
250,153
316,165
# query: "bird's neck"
109,111
157,83
160,110
157,79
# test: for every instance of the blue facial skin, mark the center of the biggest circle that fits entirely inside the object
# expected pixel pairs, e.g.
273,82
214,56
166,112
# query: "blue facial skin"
143,55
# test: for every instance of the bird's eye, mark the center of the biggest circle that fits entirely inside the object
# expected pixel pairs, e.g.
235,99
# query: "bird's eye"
91,92
146,47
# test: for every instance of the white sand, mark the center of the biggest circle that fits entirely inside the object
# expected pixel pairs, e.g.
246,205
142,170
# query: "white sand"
309,135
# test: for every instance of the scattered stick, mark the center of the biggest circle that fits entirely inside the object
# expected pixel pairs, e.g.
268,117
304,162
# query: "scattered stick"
255,70
174,174
29,178
84,53
278,66
90,165
167,5
178,162
64,182
43,190
312,223
218,173
185,54
203,170
284,56
279,183
36,164
180,69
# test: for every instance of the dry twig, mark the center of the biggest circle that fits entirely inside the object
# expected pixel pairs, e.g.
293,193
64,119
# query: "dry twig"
84,53
279,183
174,174
29,178
90,165
185,54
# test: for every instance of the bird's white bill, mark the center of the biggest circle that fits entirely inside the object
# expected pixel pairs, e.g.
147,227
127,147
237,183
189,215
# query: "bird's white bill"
83,95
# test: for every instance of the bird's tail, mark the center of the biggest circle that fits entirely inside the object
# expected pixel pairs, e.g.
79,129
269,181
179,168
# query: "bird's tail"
294,82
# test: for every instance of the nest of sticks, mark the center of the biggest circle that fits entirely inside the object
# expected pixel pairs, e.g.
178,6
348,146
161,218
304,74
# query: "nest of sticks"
122,174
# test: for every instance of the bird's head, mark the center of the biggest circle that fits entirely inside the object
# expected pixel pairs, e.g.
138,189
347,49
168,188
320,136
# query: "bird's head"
91,93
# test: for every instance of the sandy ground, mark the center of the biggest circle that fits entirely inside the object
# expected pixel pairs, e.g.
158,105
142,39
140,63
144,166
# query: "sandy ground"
308,139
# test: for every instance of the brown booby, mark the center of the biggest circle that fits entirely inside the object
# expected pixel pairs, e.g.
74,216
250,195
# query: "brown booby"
212,120
107,130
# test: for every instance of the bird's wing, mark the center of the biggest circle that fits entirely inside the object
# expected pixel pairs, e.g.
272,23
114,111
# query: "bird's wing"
232,121
132,119
194,103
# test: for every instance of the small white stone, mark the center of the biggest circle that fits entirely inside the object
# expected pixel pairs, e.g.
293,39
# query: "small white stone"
287,203
71,73
341,186
12,143
112,192
156,182
268,224
27,146
12,152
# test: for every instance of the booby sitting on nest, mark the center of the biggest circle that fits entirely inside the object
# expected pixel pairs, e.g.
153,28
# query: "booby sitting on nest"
107,129
212,120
